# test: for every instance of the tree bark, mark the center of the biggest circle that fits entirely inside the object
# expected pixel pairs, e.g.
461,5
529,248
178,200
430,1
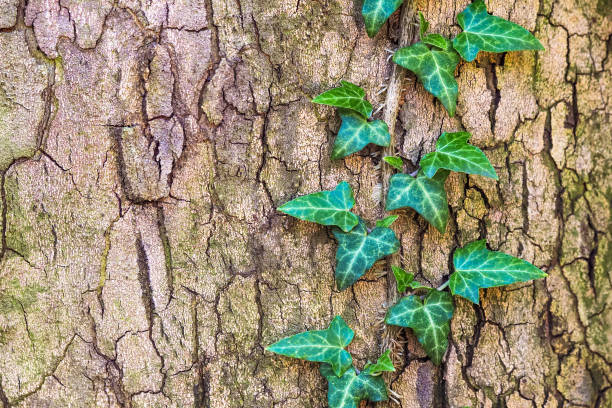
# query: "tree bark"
144,148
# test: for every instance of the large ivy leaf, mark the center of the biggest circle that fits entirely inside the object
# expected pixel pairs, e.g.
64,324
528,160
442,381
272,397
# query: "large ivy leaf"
454,153
425,195
356,132
383,363
350,389
323,346
435,68
358,251
376,12
348,96
477,267
325,207
428,319
484,32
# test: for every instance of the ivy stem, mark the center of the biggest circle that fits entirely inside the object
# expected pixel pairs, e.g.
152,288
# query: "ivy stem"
444,285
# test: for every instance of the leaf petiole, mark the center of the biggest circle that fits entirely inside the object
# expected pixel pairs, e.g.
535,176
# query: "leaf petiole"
444,285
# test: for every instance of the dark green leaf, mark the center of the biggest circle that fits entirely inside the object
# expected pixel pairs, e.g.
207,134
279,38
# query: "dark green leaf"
395,161
350,389
325,207
454,153
423,25
376,12
484,32
383,363
387,221
402,278
476,267
434,68
425,195
429,320
323,346
358,251
356,132
437,41
348,96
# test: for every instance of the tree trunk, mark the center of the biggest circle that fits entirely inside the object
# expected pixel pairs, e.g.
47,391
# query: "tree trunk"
145,146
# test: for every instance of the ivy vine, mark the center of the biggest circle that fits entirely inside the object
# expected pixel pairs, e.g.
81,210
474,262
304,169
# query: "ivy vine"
426,310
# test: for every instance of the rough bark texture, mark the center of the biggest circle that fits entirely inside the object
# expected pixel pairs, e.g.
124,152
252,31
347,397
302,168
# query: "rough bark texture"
144,146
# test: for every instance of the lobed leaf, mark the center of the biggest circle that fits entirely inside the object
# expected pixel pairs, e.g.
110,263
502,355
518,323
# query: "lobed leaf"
395,162
429,319
477,267
350,389
387,221
403,279
425,195
323,346
356,133
325,207
376,12
435,68
423,25
358,251
484,32
454,153
348,96
383,363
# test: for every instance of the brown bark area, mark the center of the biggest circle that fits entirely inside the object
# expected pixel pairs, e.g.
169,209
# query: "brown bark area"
144,147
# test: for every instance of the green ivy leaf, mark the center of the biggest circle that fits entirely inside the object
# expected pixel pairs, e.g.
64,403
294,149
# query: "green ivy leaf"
454,153
387,221
428,319
425,195
323,346
383,363
348,96
325,207
376,12
358,251
423,26
356,133
477,267
437,41
434,68
350,389
403,279
395,162
484,32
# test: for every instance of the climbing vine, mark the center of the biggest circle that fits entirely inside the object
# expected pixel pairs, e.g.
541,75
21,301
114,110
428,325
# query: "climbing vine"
426,310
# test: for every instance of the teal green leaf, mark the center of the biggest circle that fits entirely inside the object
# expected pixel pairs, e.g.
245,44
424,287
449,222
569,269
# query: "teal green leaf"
383,363
348,96
437,41
387,221
395,162
484,32
356,133
350,389
425,195
423,26
323,346
428,319
325,207
403,279
358,251
376,12
454,153
477,267
435,68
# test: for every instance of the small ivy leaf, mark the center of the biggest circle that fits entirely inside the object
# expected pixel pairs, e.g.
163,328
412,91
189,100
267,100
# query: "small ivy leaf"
434,68
387,221
383,363
358,251
323,346
428,319
395,162
484,32
403,279
376,12
348,96
325,207
477,267
356,133
437,41
423,26
454,153
425,195
350,389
